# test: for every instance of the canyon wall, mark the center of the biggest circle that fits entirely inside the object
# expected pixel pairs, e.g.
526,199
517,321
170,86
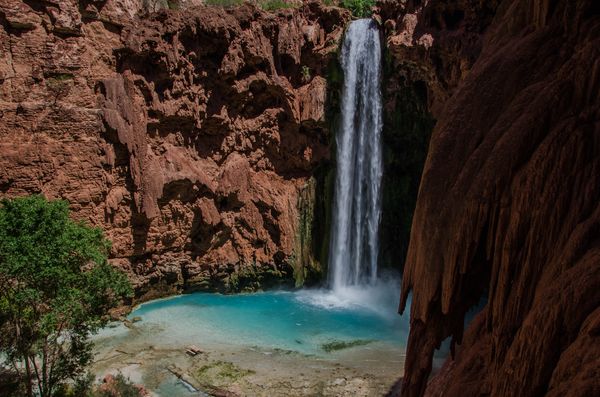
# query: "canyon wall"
508,210
191,137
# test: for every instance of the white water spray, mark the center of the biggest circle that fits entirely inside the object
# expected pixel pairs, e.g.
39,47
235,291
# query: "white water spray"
357,205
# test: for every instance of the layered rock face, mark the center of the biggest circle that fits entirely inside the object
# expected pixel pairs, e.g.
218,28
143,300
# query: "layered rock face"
189,136
508,211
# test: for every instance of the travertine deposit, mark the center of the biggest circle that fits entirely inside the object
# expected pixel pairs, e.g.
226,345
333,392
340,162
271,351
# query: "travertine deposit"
508,211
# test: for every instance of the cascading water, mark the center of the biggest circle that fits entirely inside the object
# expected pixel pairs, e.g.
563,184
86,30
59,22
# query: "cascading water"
357,207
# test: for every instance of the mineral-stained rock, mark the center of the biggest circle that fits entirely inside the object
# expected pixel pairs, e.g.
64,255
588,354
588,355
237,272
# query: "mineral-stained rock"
186,135
509,205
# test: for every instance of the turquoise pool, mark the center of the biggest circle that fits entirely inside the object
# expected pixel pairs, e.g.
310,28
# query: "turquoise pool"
304,321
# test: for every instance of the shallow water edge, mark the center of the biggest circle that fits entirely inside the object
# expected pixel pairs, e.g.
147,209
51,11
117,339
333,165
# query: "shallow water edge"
272,343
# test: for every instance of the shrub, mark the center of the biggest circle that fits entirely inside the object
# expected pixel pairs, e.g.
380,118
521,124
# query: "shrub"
359,8
224,3
305,73
272,5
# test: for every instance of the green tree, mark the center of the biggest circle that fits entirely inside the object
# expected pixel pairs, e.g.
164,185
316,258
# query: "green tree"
56,288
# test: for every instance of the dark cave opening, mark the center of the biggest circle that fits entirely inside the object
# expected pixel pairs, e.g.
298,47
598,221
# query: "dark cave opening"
406,131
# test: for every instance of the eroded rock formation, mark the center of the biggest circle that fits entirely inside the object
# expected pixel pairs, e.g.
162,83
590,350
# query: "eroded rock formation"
189,137
508,210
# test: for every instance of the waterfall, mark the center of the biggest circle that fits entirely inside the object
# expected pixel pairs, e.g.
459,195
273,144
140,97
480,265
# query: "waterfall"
357,204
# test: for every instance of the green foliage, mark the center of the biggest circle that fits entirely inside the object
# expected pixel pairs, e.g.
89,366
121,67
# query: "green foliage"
252,277
82,387
11,383
173,4
59,85
55,290
267,5
306,267
305,70
60,77
224,3
325,173
246,279
272,5
359,8
220,373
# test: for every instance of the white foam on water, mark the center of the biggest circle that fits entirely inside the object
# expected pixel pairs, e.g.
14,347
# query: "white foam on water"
380,297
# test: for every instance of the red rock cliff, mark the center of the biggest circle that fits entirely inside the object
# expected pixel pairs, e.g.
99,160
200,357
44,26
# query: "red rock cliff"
509,205
189,136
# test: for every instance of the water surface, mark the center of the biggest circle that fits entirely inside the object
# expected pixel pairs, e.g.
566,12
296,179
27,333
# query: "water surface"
302,321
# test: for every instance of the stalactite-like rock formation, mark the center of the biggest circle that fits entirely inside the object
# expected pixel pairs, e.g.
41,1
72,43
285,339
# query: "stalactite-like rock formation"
509,208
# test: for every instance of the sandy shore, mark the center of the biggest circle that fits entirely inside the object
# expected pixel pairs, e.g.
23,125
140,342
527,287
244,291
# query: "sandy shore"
167,371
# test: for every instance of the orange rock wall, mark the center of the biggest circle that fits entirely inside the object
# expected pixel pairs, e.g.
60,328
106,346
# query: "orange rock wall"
188,136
